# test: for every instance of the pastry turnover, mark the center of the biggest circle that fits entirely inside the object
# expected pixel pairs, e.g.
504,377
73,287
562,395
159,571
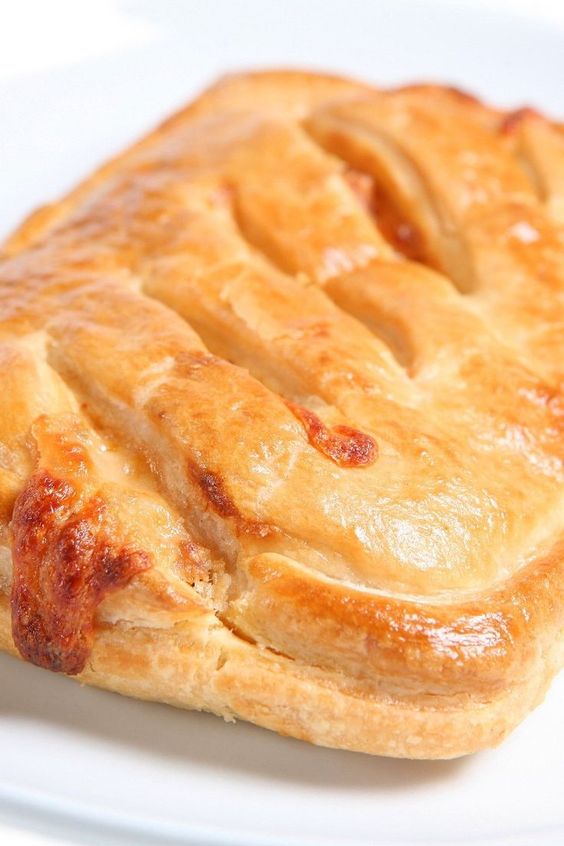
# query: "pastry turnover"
282,419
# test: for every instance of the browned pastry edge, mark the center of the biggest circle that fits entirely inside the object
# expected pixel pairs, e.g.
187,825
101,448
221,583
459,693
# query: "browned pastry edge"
224,675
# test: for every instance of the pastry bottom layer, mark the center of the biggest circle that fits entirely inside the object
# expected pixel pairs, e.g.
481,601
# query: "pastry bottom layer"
208,668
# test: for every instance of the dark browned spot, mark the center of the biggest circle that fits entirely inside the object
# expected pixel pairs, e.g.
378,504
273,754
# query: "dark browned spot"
213,487
344,445
512,121
64,565
214,491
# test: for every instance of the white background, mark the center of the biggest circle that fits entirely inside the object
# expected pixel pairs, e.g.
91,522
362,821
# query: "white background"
79,80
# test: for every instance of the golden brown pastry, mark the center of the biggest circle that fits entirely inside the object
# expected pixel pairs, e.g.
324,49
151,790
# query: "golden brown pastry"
282,419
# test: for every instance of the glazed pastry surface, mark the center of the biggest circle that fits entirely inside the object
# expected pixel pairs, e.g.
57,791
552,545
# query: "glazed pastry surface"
282,416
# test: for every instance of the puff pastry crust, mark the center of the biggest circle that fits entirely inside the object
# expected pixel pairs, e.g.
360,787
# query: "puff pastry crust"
282,416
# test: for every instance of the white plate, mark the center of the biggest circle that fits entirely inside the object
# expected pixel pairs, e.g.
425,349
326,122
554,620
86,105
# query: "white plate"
84,766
